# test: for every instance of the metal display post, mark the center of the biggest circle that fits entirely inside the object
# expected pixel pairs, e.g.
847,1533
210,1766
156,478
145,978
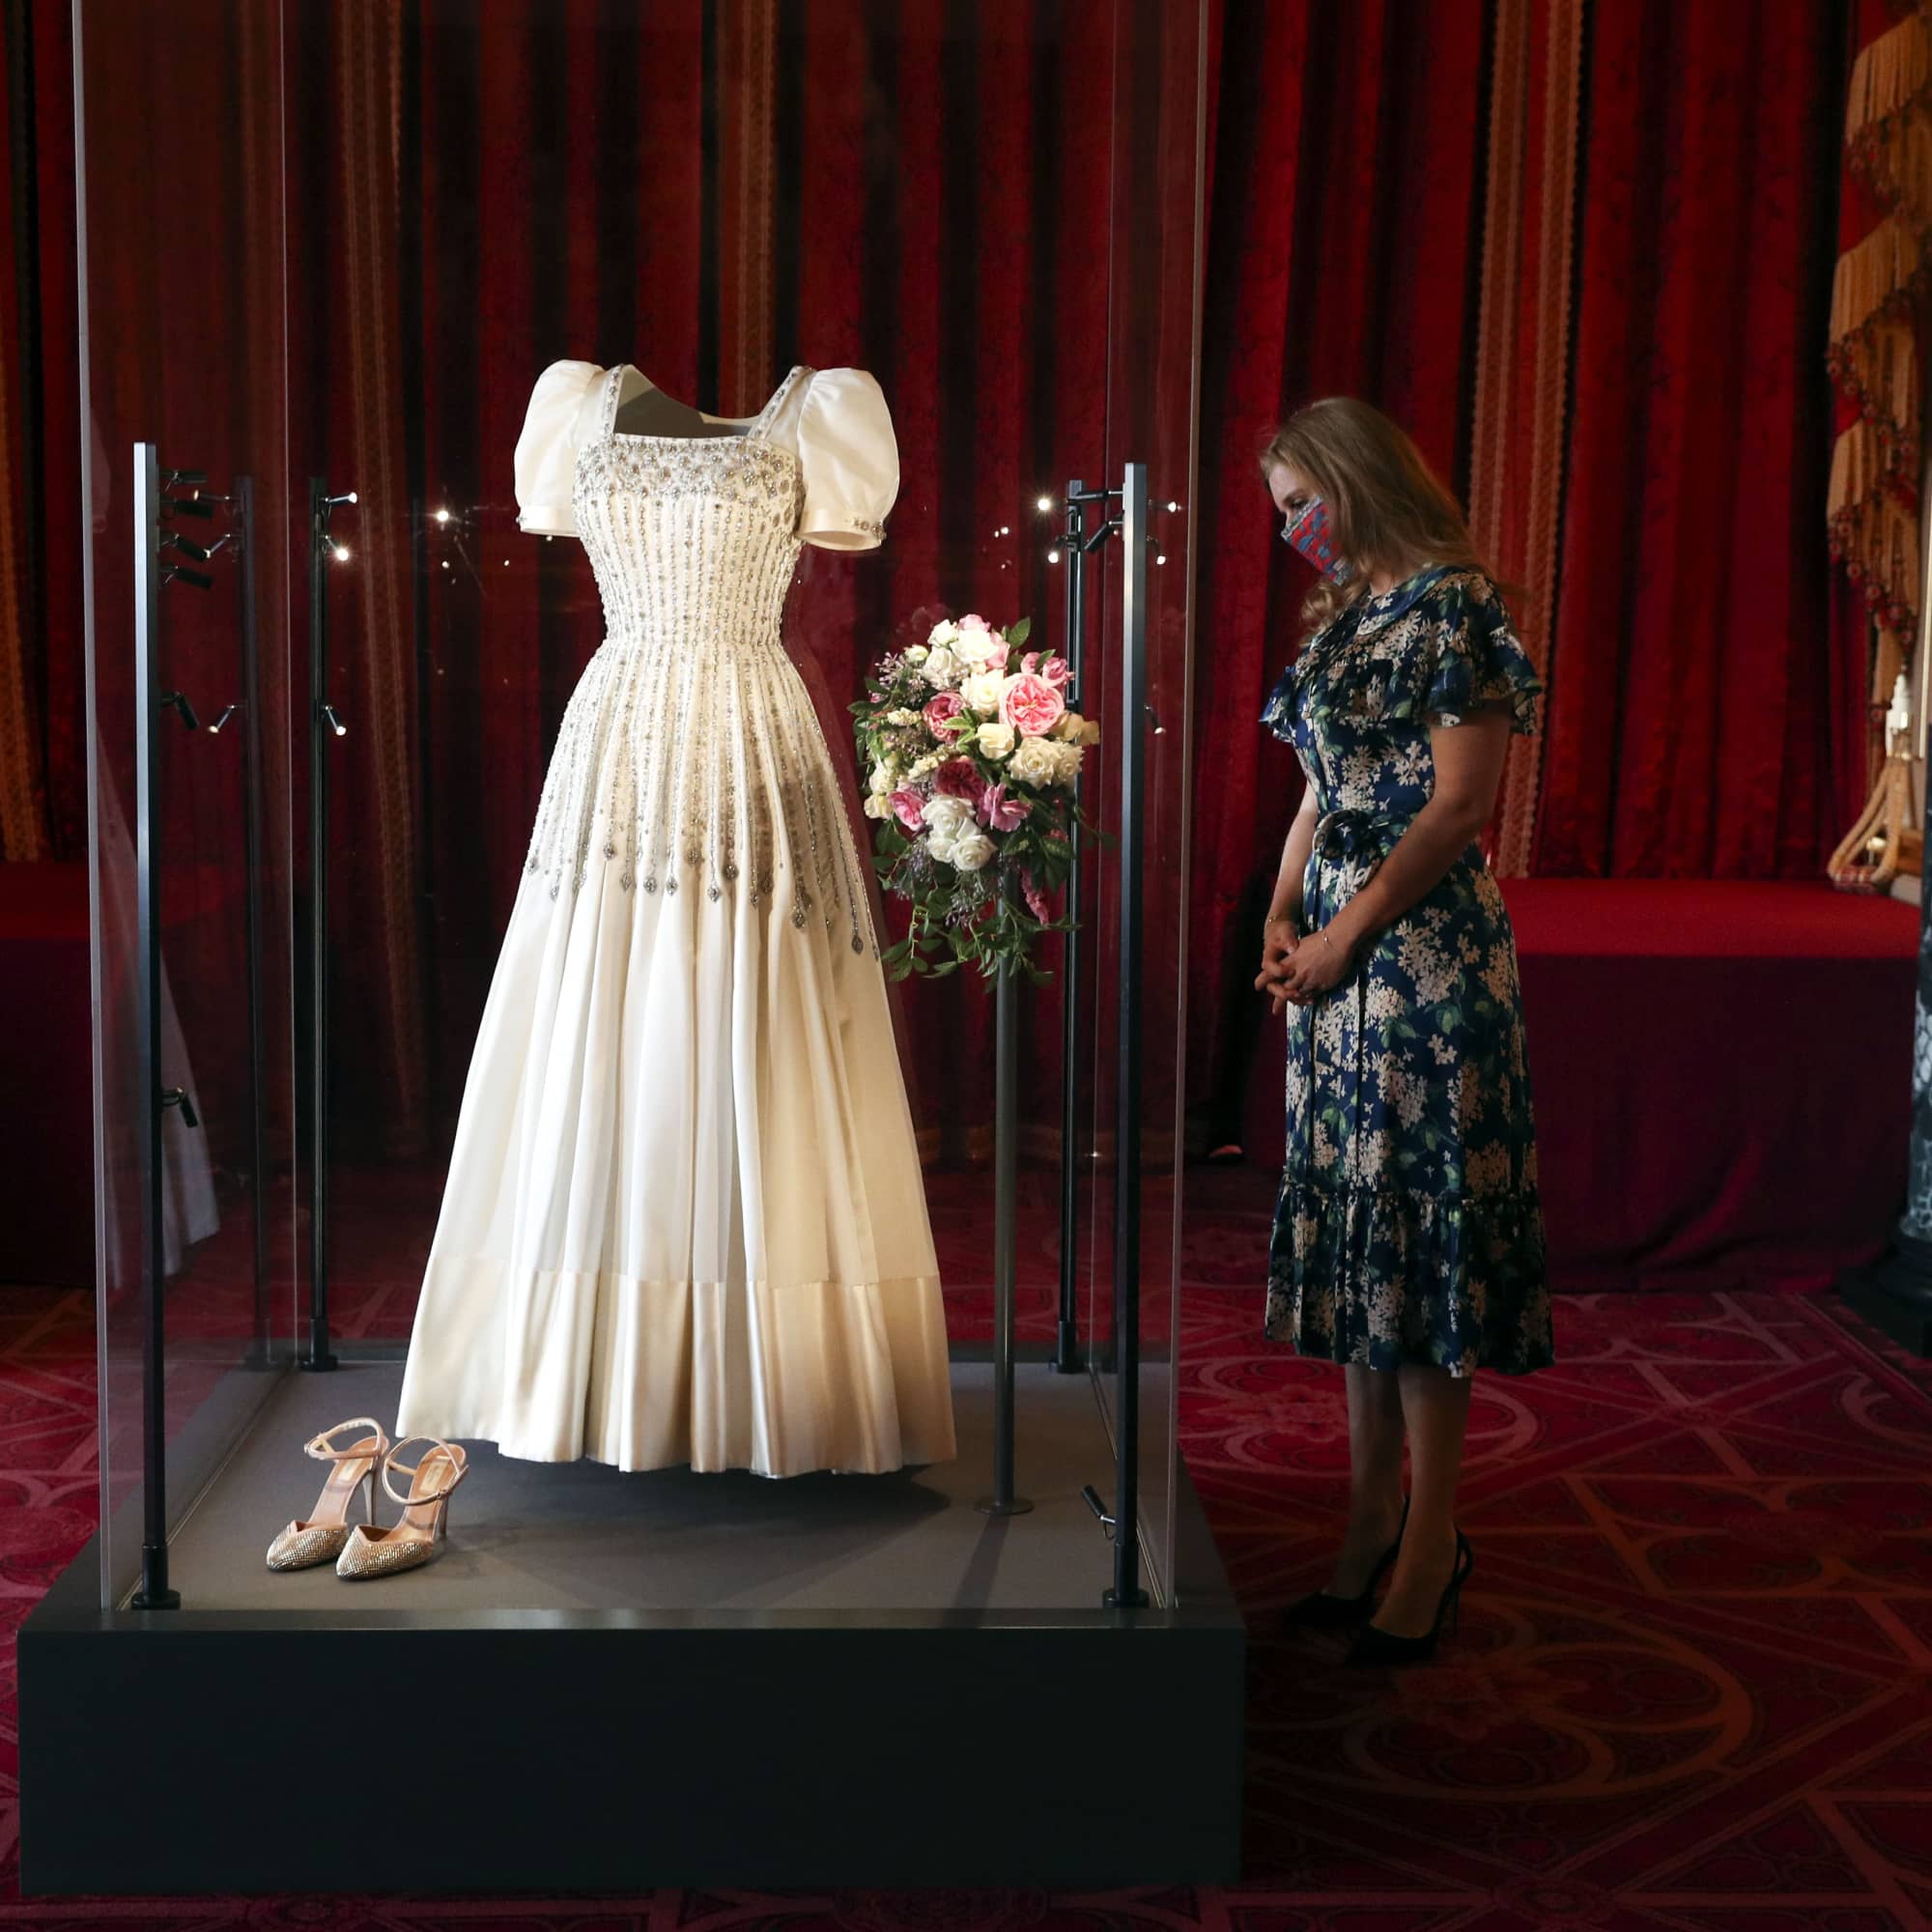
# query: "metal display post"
1006,1184
154,1593
252,814
324,724
1126,1592
1079,542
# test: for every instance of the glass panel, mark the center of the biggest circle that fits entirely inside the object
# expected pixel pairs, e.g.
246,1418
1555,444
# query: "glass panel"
710,195
1153,349
178,145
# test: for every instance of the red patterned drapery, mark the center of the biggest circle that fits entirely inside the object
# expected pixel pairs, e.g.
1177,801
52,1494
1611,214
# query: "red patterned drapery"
1522,347
559,189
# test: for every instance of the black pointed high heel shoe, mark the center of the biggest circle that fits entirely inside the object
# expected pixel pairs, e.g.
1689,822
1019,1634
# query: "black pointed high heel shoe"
1372,1646
1323,1610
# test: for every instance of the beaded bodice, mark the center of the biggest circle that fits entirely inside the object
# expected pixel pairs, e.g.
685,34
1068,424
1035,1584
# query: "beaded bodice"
689,754
692,538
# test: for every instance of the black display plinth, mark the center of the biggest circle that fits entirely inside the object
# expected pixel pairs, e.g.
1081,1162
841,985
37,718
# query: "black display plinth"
837,1686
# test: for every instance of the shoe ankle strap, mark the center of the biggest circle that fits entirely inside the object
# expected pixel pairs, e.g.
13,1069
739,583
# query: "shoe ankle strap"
450,1453
320,1448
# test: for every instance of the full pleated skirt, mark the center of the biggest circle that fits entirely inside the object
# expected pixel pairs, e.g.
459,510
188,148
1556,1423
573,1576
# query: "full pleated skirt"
685,1221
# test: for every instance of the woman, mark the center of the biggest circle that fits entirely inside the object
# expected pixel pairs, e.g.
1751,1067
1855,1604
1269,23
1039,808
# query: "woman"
1408,1237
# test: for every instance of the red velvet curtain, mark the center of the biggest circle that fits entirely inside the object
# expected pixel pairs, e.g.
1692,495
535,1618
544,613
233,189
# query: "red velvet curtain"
1343,229
939,216
1706,697
39,370
1705,717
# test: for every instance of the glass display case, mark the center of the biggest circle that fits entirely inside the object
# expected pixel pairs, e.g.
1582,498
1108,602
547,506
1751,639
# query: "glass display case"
327,253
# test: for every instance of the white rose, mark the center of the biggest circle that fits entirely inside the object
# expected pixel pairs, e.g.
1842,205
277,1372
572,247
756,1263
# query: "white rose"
971,850
982,691
914,654
1066,758
1069,728
882,780
940,849
1036,761
946,817
944,632
996,738
878,806
939,668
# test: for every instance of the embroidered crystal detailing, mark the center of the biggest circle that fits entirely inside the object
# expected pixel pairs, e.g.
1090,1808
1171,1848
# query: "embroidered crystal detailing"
689,751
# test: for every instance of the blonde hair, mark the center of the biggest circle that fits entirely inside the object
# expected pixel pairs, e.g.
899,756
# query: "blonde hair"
1387,509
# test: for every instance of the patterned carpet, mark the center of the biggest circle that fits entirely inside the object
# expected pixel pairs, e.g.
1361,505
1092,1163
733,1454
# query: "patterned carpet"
1693,1687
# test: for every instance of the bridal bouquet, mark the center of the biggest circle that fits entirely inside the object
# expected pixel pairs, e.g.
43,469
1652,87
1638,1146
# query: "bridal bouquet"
971,755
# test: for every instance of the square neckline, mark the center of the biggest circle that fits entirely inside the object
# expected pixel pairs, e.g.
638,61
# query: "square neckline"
754,425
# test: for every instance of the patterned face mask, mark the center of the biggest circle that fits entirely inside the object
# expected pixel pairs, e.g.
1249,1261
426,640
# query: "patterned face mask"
1310,533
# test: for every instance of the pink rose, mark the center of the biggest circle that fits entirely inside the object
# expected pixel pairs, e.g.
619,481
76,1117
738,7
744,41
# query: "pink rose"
957,779
1055,670
941,712
909,808
1001,812
1032,706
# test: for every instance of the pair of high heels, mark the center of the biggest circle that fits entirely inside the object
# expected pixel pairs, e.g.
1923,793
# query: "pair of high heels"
366,1549
1323,1610
1374,1647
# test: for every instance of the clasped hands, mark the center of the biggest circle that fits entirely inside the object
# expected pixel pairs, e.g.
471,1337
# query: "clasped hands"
1297,968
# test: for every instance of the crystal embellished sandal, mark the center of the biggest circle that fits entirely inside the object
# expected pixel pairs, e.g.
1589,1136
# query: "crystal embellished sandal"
318,1538
370,1551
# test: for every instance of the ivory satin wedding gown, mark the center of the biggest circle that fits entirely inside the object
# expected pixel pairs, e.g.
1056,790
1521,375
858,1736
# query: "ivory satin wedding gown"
684,1220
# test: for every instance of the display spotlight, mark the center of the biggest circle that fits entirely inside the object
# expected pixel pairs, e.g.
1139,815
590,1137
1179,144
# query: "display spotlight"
340,553
1045,503
442,516
1053,556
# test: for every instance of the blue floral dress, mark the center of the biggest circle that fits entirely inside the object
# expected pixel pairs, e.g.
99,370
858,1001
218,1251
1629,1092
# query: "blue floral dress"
1408,1227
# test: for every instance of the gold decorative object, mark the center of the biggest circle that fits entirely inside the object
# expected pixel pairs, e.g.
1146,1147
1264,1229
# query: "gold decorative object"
1885,836
1872,510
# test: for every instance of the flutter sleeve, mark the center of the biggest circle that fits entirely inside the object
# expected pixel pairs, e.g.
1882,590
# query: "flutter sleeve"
546,459
850,460
1475,660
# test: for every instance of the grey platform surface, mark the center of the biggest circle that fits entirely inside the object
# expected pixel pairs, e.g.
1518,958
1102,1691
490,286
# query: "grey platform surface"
582,1536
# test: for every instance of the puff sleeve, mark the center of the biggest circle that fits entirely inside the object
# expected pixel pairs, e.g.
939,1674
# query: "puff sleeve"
1475,660
546,457
850,460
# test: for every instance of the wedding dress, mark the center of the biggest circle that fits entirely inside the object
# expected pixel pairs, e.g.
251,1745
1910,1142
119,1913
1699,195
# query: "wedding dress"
684,1220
